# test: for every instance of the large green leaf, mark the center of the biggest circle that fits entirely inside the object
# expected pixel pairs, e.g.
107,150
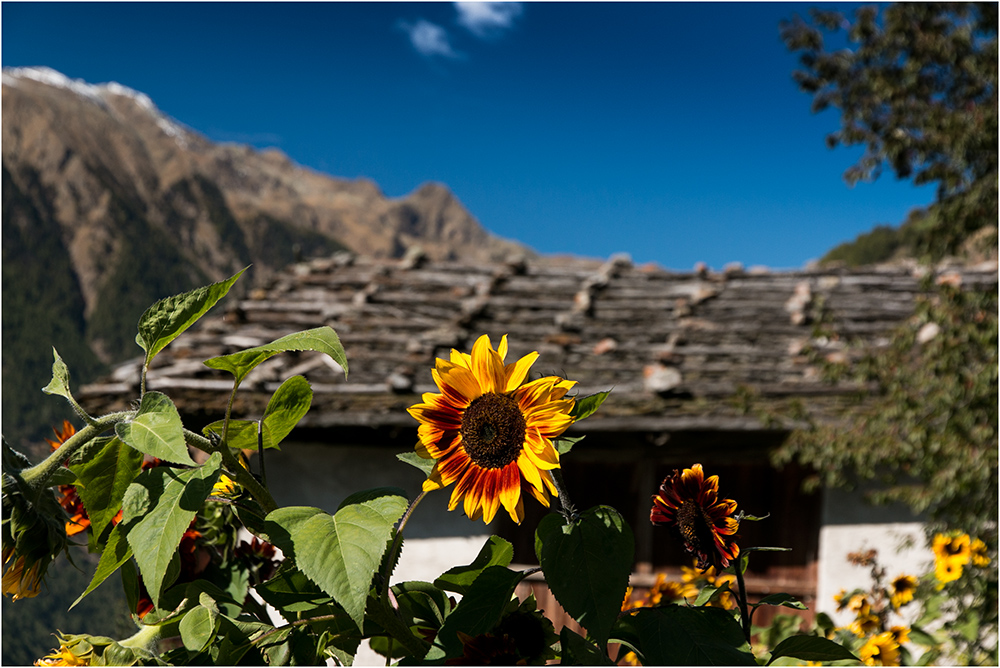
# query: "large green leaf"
292,591
197,627
242,434
340,553
158,508
811,648
116,553
676,635
496,552
576,651
156,430
60,378
167,319
287,406
103,480
481,607
587,563
241,363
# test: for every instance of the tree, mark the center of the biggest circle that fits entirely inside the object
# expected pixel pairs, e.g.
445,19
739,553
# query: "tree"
917,86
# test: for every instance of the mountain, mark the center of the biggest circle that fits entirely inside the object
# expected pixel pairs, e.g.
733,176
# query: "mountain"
108,205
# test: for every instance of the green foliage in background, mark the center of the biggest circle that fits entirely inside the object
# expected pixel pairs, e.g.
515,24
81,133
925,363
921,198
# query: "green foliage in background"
926,430
917,88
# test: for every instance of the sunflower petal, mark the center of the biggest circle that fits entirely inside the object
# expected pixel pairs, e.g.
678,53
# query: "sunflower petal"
517,371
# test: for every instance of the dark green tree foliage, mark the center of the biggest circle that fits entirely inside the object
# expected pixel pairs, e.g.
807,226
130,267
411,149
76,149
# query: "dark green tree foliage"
917,87
927,431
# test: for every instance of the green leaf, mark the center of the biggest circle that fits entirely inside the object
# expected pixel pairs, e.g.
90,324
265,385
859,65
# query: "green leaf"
587,406
116,553
167,319
241,363
60,378
811,648
156,430
564,444
198,628
481,607
340,553
415,460
496,552
587,564
158,508
423,602
292,591
287,407
242,434
921,637
676,635
709,593
62,476
104,479
786,600
576,651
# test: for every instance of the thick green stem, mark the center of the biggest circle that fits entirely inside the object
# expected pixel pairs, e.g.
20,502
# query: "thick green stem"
232,464
741,597
147,637
38,475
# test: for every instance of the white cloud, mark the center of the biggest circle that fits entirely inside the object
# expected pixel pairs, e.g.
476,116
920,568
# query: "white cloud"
429,39
486,18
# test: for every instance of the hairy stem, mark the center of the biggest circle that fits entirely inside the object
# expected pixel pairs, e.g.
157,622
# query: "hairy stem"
38,475
567,508
298,622
397,541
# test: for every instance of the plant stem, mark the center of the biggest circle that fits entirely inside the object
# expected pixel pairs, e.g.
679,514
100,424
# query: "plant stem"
38,475
298,622
243,477
568,509
397,540
742,598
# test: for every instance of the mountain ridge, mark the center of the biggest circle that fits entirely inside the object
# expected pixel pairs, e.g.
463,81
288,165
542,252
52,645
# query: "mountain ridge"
122,205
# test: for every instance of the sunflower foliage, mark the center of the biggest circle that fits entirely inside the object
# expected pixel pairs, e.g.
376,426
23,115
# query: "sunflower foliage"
216,573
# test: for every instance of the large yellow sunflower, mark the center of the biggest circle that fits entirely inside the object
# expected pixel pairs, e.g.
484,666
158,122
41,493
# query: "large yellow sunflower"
690,503
488,430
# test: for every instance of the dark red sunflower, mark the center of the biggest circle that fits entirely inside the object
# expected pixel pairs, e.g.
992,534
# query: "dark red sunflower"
689,503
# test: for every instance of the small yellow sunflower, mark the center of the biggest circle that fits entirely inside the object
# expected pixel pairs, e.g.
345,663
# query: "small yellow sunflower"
900,634
865,624
690,503
901,590
947,570
978,553
21,579
880,650
953,548
64,656
488,429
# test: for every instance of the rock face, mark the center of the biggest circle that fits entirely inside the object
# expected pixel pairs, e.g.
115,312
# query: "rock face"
109,205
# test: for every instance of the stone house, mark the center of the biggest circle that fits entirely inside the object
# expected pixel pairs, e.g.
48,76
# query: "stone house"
703,367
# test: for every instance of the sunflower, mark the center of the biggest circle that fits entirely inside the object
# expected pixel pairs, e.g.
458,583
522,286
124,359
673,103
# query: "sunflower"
864,624
881,649
690,503
488,429
901,590
953,548
69,499
978,553
21,579
900,634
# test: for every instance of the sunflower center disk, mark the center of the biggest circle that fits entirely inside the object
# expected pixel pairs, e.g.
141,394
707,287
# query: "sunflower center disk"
694,526
493,430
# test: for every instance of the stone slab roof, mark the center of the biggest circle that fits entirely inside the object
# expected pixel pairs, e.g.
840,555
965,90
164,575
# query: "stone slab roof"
692,351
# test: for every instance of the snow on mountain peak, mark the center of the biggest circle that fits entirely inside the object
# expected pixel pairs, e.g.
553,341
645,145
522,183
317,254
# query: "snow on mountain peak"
95,93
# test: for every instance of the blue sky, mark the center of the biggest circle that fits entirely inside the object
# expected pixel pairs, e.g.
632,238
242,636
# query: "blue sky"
672,132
